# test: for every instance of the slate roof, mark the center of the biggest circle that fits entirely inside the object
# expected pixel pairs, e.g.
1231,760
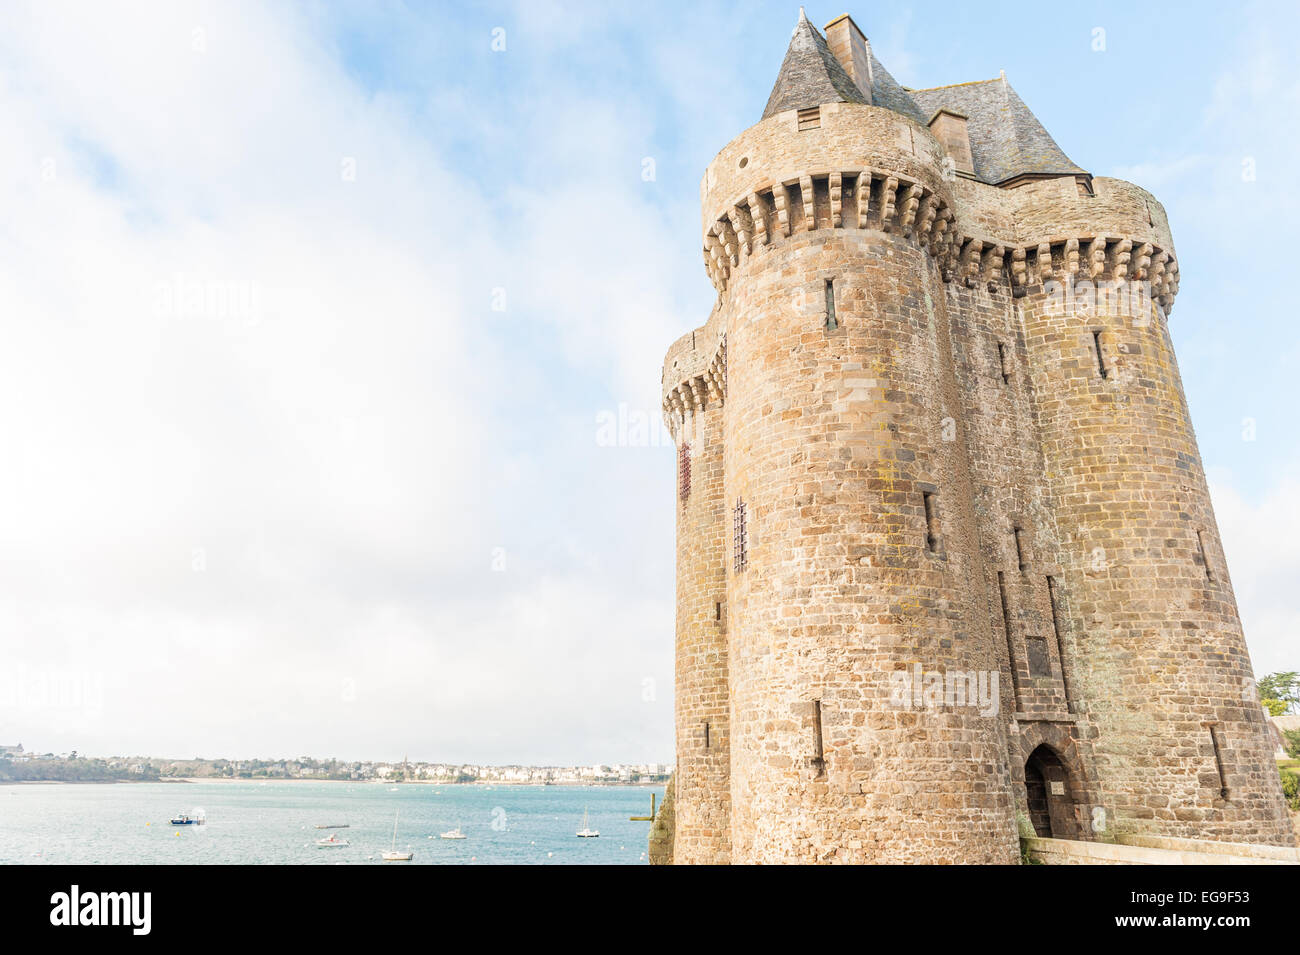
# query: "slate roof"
810,75
1006,139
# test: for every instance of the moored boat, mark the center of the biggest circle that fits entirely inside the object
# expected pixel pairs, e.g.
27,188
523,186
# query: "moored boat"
392,855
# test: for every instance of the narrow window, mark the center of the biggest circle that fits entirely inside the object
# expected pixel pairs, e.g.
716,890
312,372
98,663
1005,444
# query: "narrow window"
739,539
1060,643
1003,365
1205,557
706,735
810,118
1218,759
819,755
1006,629
1020,549
931,522
684,471
1101,360
717,611
831,323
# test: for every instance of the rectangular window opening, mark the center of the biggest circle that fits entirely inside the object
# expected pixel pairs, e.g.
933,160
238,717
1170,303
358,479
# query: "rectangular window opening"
831,322
706,735
1218,760
1020,549
810,118
1204,555
819,754
931,522
1101,360
739,538
717,611
684,471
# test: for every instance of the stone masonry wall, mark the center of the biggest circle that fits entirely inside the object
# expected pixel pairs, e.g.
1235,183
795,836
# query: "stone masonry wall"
832,437
941,481
702,704
1162,661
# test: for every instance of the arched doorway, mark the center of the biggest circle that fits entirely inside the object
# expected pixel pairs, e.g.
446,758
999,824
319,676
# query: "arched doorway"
1050,793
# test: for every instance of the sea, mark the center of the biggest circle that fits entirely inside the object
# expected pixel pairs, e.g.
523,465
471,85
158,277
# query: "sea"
274,823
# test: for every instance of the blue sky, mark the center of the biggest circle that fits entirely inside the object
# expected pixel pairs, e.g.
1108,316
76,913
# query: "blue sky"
286,481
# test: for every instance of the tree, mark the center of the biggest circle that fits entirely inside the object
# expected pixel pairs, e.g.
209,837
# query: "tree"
1292,744
1291,789
1283,688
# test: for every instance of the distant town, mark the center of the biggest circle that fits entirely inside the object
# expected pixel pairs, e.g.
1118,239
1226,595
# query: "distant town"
19,765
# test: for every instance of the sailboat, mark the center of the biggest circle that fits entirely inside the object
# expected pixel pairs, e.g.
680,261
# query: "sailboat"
586,832
392,855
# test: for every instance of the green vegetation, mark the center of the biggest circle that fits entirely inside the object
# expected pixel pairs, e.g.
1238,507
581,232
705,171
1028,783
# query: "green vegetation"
1280,692
74,769
1291,742
1291,786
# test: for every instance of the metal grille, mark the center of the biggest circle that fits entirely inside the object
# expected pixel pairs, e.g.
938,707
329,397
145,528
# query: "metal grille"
739,540
684,471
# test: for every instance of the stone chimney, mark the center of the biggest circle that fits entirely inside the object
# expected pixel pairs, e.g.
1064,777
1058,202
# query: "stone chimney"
851,48
949,128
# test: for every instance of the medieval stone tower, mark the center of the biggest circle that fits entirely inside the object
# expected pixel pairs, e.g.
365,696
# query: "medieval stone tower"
946,561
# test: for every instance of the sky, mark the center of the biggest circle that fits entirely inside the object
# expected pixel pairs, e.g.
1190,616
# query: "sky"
314,318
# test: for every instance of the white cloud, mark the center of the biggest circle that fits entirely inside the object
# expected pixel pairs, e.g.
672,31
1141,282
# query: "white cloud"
258,420
1261,540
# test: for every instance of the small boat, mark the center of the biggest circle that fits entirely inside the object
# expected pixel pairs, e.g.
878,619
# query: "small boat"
586,832
185,819
453,834
392,855
331,842
334,825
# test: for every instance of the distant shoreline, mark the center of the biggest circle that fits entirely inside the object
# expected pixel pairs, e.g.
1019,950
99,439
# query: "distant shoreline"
84,782
409,782
489,783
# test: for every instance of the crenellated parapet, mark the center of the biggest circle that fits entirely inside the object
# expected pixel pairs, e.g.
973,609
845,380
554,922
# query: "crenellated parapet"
893,178
908,208
839,199
699,380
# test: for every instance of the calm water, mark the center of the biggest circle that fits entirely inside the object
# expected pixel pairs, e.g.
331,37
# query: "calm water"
274,822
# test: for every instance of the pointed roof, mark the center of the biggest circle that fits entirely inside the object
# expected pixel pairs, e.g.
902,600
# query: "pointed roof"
810,75
1006,138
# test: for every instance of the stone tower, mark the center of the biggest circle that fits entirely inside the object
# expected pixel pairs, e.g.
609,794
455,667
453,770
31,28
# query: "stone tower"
946,562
